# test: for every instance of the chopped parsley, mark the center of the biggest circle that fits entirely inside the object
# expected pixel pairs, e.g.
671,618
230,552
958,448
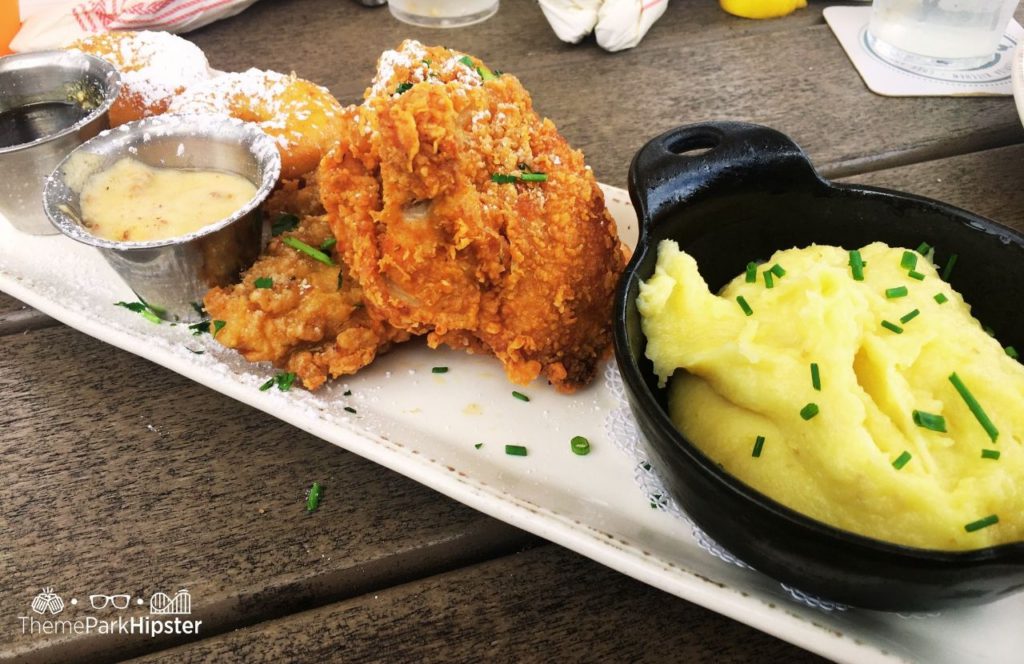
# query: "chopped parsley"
263,282
284,222
284,382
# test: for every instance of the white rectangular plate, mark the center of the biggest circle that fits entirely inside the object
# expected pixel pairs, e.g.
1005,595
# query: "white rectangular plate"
425,425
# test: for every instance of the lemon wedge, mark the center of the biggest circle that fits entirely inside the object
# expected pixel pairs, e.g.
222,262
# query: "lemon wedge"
762,8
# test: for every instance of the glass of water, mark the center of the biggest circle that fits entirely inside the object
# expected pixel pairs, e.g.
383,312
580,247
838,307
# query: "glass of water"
954,34
442,13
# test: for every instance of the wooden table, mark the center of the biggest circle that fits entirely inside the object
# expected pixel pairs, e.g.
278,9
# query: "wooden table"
120,476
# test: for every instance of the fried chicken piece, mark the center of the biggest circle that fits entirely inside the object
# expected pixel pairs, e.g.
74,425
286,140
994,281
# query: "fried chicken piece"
524,270
311,320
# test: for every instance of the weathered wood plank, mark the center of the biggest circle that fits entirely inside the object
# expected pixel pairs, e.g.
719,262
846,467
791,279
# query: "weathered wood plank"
122,477
17,317
545,604
987,183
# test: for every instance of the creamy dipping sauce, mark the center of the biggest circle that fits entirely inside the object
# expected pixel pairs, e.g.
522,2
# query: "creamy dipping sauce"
134,202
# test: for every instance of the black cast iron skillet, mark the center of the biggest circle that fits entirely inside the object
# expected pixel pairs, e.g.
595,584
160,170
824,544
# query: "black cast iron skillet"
730,193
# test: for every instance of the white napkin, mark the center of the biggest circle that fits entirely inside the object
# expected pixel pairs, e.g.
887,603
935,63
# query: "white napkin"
617,24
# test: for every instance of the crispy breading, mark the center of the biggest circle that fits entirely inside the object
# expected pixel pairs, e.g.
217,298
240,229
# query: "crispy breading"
311,320
524,270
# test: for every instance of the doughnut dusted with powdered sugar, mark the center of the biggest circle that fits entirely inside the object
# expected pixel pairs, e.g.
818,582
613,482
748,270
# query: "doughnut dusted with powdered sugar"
155,67
302,117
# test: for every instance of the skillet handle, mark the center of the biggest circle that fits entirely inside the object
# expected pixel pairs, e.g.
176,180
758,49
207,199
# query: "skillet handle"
737,157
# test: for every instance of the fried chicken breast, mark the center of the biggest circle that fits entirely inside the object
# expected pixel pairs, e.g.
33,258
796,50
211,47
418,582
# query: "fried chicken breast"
465,216
305,316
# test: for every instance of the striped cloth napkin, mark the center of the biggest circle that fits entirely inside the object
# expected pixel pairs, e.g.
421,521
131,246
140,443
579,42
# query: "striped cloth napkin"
55,24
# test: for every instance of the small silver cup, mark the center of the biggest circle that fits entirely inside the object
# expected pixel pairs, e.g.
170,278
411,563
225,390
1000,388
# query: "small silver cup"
173,275
50,103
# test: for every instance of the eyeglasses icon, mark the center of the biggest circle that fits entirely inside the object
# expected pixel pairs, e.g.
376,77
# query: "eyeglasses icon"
103,601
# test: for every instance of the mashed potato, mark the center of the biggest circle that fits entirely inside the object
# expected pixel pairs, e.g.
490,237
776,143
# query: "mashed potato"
862,463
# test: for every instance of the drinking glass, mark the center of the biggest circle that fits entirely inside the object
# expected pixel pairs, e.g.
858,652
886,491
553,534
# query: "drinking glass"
954,34
442,13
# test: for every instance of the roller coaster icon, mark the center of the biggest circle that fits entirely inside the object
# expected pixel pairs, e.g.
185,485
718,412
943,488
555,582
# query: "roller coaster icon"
162,605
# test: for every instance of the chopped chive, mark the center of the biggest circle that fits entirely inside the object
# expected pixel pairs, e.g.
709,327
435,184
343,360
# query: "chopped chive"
809,411
347,393
909,260
515,450
647,466
769,279
284,222
758,446
315,254
751,272
1012,352
909,316
402,88
141,309
742,301
778,271
478,445
815,377
218,325
503,178
893,293
328,244
949,267
534,177
200,309
520,396
194,352
924,248
201,327
439,370
989,520
313,499
941,298
267,385
486,73
990,454
901,460
929,421
264,282
892,327
913,274
466,60
975,407
857,265
350,409
580,445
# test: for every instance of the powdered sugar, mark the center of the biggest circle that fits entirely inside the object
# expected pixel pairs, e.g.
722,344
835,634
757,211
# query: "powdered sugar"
154,66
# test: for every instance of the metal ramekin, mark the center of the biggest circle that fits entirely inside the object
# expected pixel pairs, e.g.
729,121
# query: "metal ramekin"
172,275
48,76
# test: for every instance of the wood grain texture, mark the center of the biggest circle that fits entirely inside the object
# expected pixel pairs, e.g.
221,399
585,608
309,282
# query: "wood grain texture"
17,317
987,183
696,64
544,605
123,477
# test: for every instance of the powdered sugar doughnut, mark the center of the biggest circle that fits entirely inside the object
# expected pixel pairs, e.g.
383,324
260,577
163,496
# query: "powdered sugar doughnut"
154,68
304,118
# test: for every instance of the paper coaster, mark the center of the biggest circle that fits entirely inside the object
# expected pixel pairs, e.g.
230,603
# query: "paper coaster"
850,26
